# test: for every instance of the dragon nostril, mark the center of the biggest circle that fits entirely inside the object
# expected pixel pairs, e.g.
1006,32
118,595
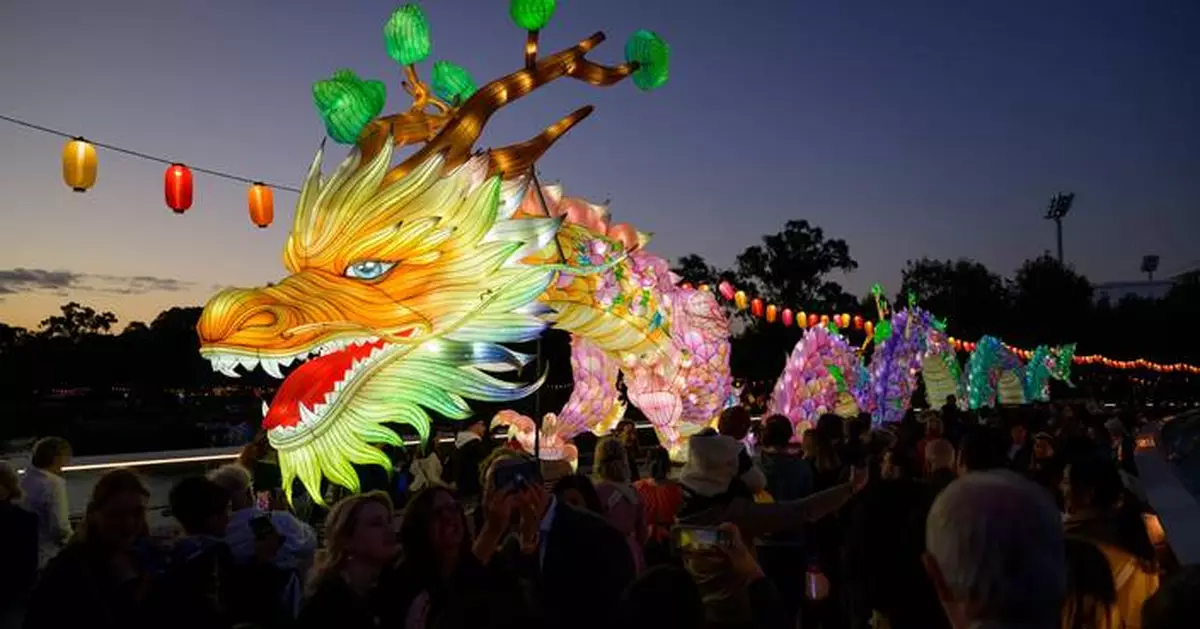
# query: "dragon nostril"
261,319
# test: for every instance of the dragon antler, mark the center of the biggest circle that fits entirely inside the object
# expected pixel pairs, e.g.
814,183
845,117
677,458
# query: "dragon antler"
451,121
456,132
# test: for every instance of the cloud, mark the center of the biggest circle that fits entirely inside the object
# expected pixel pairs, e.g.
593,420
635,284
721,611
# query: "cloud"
21,280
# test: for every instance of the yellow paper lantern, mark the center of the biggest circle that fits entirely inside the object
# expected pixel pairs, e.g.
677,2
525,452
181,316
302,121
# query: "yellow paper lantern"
79,165
740,300
802,319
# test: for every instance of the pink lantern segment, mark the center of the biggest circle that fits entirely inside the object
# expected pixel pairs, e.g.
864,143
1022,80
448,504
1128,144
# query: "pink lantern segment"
788,317
807,389
554,445
726,289
595,402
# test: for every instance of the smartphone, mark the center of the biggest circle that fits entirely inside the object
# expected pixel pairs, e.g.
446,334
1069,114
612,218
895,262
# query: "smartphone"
261,527
262,500
700,538
516,474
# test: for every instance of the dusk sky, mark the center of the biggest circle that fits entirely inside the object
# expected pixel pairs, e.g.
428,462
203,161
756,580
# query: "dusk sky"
909,128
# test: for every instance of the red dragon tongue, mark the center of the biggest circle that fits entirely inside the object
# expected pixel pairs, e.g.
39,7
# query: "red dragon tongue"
309,383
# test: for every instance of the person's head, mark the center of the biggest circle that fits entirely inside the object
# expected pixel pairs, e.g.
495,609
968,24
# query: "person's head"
853,430
777,432
808,443
578,491
504,456
611,461
734,422
825,453
115,517
626,429
1115,428
896,465
1018,433
951,402
663,596
1175,604
237,482
939,455
995,552
660,464
829,428
478,427
980,450
10,485
434,529
50,454
358,530
1043,446
1092,488
200,505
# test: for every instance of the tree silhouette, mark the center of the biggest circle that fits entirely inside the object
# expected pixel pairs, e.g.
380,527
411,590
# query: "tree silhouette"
791,268
971,297
76,322
1051,302
694,269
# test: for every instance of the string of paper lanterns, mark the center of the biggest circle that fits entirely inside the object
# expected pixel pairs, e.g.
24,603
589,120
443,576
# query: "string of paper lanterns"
80,164
772,313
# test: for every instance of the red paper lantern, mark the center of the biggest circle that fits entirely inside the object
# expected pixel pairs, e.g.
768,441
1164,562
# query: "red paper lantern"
262,205
772,313
178,187
814,320
788,317
858,322
686,286
756,307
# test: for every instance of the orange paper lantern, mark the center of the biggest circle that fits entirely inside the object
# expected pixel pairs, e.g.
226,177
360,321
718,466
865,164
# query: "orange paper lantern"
772,313
262,205
824,320
178,188
869,328
79,164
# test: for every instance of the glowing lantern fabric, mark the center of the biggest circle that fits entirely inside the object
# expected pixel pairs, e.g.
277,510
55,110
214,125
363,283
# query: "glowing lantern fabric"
79,164
406,35
899,348
822,375
554,443
531,15
788,317
652,56
989,360
451,82
261,202
595,404
1046,363
177,184
347,103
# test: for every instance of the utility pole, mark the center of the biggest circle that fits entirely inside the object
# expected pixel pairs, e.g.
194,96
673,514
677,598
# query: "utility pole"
1149,266
1060,205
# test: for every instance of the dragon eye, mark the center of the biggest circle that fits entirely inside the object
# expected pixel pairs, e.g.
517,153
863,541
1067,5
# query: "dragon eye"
368,269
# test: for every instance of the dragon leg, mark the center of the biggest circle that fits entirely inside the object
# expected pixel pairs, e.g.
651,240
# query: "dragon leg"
594,404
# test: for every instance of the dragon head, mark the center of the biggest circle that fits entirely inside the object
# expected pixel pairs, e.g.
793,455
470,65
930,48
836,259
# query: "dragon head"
399,297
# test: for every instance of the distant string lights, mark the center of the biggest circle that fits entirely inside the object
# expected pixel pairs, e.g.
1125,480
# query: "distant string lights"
79,165
760,309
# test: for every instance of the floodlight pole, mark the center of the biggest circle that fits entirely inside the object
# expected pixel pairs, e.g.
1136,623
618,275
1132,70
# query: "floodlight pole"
1060,204
1058,229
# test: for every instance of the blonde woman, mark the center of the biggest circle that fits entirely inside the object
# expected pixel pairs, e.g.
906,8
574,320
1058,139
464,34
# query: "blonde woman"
360,542
622,505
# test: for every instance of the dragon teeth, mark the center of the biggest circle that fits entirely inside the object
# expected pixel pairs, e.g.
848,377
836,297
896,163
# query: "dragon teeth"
307,416
265,408
272,368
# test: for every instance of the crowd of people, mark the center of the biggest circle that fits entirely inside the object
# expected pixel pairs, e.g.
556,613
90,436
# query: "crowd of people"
1025,518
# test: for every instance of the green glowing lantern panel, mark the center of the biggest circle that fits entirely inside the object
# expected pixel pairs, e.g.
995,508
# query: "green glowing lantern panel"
451,82
347,103
532,15
653,57
407,35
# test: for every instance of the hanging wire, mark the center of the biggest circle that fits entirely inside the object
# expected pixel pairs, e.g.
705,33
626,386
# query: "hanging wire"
145,156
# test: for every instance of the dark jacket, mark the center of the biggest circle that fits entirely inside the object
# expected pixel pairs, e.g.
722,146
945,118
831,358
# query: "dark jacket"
463,470
581,553
474,596
77,589
334,604
19,547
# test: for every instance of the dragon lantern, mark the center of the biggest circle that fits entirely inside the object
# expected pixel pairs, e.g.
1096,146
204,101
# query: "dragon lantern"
407,279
